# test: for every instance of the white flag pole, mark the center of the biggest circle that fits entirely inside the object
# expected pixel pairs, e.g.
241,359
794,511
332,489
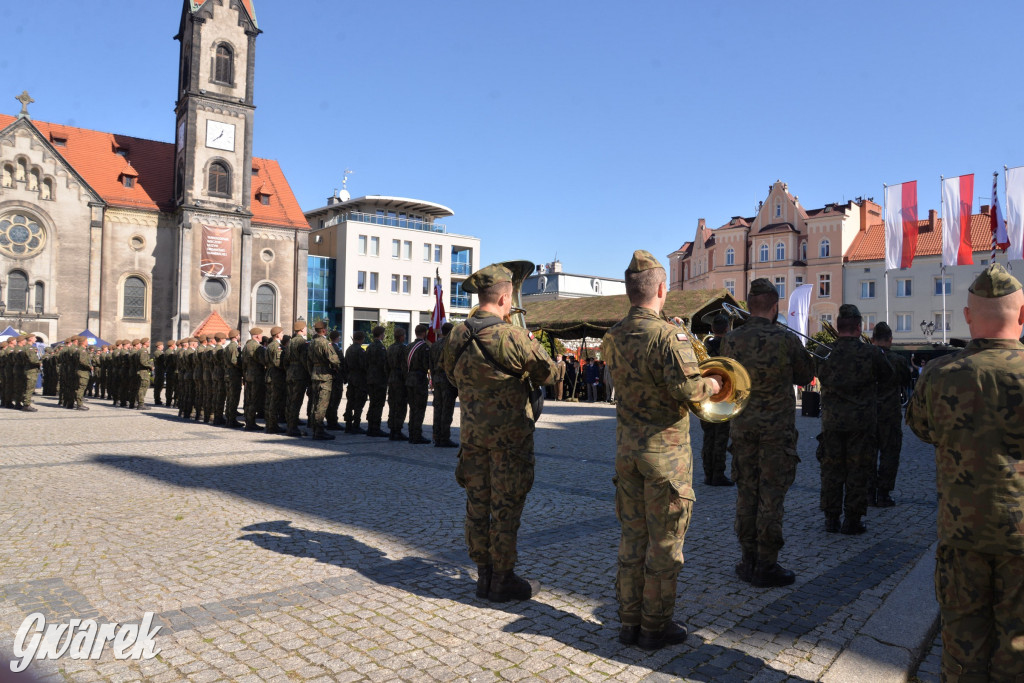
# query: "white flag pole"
942,268
885,252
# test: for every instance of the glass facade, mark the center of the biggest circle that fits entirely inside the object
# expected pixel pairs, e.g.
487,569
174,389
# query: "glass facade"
320,281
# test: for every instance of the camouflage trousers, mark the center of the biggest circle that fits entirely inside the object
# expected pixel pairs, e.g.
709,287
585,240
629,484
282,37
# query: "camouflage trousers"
254,393
356,395
417,410
712,453
232,393
397,405
277,389
320,397
296,394
337,390
377,394
846,459
158,386
171,384
31,376
496,484
763,467
981,601
83,380
444,408
653,502
889,437
142,386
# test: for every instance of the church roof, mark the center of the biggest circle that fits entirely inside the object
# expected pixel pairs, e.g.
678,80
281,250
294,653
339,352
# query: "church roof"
212,325
247,4
94,155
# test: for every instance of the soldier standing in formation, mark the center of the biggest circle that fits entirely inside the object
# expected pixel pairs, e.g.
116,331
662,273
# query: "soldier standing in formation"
849,390
417,383
376,382
171,372
716,434
559,377
397,399
764,435
297,377
655,370
323,363
355,362
496,458
970,405
277,382
889,434
143,366
444,392
232,379
158,372
337,383
254,373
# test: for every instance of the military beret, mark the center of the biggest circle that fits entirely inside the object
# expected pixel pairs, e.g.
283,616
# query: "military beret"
144,340
256,330
849,311
643,260
319,325
171,342
136,341
882,331
487,277
994,282
298,326
220,336
276,330
234,333
762,286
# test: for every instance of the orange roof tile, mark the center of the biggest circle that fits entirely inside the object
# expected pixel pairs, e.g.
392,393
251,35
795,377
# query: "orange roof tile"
870,244
93,154
212,325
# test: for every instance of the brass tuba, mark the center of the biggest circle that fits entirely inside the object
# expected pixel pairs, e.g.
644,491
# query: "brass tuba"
732,399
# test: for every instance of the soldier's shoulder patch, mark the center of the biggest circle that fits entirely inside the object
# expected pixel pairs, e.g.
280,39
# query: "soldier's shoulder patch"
531,334
680,336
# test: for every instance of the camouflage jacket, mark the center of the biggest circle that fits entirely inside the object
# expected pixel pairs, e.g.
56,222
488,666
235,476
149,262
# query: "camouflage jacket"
890,406
355,361
298,347
252,369
396,363
376,363
418,365
323,360
143,362
970,405
775,360
494,404
275,368
230,360
849,385
655,374
437,374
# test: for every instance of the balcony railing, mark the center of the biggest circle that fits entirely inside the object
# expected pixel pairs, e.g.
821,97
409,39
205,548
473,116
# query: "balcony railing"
393,221
458,301
461,269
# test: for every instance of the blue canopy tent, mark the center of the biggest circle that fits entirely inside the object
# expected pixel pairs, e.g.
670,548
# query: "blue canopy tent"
9,332
92,339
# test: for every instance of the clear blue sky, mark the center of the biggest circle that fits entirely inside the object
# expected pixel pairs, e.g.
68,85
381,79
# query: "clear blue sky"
582,129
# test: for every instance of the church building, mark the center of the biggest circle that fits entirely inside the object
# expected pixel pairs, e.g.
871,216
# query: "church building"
131,238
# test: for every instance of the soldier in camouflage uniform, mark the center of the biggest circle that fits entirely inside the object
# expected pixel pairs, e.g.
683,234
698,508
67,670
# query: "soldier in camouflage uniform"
376,382
218,390
157,355
143,366
889,434
496,458
355,363
655,372
83,369
850,377
171,372
417,383
444,392
337,383
232,379
322,362
764,435
276,379
397,401
254,373
970,405
297,377
716,434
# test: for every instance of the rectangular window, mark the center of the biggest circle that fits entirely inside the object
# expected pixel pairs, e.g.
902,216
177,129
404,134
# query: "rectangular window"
373,282
938,321
374,246
426,286
943,283
780,287
826,318
396,246
362,245
361,280
437,253
426,251
868,321
406,284
903,322
867,289
394,284
407,250
903,288
799,280
824,286
731,286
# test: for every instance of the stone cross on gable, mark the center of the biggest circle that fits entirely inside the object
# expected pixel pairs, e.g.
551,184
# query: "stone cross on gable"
25,100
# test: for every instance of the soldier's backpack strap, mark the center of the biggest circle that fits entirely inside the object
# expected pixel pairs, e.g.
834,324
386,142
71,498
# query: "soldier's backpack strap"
475,325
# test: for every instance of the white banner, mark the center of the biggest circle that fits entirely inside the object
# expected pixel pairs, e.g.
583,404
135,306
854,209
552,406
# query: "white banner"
1015,212
799,307
900,225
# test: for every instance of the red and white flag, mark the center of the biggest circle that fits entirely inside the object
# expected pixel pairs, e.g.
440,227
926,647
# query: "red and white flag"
437,319
1015,212
957,203
999,238
900,225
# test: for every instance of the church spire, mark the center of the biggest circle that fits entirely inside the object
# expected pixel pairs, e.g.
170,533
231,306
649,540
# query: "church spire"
247,4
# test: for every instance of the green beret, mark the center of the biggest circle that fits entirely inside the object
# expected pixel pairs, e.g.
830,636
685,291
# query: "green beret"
762,286
849,311
643,260
994,282
493,274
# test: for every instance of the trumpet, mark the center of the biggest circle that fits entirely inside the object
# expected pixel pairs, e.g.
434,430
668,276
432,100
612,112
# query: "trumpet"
737,312
732,398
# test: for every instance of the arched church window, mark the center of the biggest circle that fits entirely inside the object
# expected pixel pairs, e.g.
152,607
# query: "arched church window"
46,190
17,291
33,180
8,175
40,296
134,298
21,171
224,65
220,179
266,304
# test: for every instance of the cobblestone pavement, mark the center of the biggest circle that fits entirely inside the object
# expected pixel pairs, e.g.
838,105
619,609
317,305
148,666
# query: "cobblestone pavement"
269,558
930,668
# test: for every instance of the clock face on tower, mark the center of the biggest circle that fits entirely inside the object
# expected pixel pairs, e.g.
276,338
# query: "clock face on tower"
220,135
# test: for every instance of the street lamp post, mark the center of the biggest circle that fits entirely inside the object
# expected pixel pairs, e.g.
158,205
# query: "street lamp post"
928,329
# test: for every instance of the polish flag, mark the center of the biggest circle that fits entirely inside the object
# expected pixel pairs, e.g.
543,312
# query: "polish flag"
437,319
1015,212
900,225
957,194
999,238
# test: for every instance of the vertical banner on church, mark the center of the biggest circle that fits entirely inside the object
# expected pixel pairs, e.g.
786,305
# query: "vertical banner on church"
215,260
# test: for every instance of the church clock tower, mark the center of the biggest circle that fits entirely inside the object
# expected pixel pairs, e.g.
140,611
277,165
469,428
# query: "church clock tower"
213,159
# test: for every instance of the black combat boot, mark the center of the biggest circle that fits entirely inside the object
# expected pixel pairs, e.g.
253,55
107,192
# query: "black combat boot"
771,575
629,633
720,480
418,440
507,586
29,409
671,634
483,580
334,426
356,429
852,526
321,435
872,498
398,436
272,429
745,569
832,524
884,500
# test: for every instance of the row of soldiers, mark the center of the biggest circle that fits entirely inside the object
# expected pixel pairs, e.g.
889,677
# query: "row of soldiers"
19,371
67,371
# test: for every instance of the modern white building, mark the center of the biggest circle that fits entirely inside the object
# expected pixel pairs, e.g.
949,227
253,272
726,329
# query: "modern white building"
386,252
550,282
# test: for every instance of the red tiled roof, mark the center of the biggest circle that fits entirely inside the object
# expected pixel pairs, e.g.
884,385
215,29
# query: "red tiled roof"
870,244
212,325
93,155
